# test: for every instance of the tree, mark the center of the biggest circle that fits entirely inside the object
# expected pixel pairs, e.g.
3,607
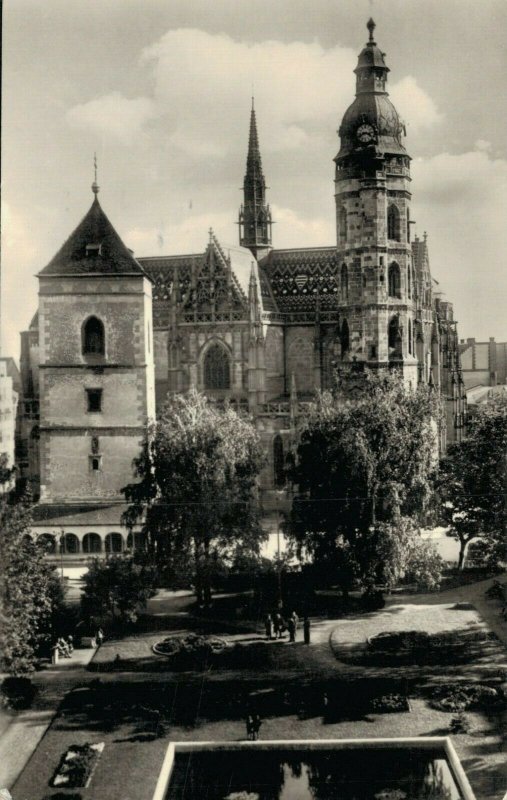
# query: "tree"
31,591
472,483
197,489
117,587
364,468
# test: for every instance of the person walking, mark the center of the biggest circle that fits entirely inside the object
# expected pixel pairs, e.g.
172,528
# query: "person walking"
306,629
256,726
249,726
268,624
292,629
99,638
279,626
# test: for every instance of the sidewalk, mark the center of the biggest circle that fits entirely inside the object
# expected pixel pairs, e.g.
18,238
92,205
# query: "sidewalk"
25,730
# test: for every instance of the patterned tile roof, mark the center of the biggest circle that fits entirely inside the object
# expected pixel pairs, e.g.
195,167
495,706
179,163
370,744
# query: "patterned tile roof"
297,277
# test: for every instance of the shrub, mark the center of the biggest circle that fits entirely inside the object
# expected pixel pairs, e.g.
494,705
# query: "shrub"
390,704
459,723
189,650
76,766
18,693
373,600
393,641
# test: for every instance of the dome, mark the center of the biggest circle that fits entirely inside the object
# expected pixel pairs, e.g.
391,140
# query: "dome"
371,125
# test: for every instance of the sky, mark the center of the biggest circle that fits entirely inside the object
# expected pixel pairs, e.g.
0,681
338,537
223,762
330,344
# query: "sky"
160,90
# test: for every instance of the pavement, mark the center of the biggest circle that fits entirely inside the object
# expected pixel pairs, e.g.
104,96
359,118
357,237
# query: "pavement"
21,735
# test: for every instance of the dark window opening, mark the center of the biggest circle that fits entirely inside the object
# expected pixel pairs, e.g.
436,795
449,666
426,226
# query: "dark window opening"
95,463
343,224
217,373
93,250
345,337
344,281
278,462
393,223
94,337
394,339
394,280
94,399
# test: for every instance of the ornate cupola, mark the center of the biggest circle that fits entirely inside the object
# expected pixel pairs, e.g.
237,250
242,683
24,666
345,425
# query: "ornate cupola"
254,215
371,126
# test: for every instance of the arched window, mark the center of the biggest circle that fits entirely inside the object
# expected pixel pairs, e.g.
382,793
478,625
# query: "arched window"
408,225
342,223
92,543
410,345
345,337
216,372
394,280
69,543
409,281
344,282
278,462
393,223
394,339
114,543
94,340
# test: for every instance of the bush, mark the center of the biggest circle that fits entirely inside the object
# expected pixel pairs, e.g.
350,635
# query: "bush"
190,650
390,704
18,693
393,642
459,723
373,600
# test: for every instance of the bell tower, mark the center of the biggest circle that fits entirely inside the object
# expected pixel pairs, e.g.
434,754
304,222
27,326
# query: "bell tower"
254,215
372,193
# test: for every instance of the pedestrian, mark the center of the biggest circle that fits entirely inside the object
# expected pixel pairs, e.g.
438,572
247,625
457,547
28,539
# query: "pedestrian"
70,643
306,629
279,626
268,623
292,629
249,726
295,618
256,726
99,637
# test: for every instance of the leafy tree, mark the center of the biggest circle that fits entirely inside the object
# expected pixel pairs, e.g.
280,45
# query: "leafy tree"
197,493
364,467
30,592
473,483
117,586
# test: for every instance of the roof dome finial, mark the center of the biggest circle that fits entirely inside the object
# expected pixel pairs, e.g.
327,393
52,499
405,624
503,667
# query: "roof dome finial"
371,27
95,185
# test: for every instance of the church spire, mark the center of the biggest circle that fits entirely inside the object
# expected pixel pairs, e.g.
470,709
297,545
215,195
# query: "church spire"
254,215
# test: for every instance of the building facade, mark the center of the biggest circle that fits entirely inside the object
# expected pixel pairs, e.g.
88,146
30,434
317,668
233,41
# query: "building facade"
261,327
483,363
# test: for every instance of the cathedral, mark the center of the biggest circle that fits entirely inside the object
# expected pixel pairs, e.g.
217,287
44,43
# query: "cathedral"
261,327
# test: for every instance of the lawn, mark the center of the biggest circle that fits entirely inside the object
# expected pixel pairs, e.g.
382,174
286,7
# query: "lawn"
300,692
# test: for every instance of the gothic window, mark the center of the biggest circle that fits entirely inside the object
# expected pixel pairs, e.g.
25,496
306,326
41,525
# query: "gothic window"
344,282
408,225
278,462
345,337
394,280
94,339
393,223
216,372
394,338
410,345
342,222
409,281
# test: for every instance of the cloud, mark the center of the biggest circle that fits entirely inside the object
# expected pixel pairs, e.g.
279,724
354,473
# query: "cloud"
113,115
416,107
461,200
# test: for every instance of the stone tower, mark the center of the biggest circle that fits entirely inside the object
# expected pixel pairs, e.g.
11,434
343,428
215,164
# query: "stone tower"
96,366
376,283
254,215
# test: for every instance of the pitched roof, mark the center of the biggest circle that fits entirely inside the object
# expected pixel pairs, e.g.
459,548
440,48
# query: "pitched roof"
93,247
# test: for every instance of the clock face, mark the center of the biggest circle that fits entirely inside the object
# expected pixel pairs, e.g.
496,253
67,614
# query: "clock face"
365,133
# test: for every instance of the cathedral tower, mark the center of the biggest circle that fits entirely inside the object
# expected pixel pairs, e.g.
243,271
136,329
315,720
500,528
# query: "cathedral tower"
372,192
254,215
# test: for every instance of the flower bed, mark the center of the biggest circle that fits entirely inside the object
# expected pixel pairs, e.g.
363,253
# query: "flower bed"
455,698
390,704
190,650
394,648
77,765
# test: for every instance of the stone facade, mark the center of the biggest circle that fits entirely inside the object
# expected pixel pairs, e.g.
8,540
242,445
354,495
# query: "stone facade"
263,328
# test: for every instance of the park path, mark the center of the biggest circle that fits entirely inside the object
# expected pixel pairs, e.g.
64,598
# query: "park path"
24,731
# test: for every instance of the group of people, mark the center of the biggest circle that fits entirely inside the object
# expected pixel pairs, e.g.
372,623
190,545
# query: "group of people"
64,647
275,627
253,726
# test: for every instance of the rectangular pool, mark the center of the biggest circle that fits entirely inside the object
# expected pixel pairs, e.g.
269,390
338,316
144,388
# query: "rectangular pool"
415,769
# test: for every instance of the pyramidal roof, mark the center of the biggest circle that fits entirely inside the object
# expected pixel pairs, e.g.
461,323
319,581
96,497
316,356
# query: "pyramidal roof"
93,248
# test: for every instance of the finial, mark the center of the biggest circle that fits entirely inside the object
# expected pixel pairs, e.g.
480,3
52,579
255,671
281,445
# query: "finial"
210,235
253,101
371,27
425,235
95,185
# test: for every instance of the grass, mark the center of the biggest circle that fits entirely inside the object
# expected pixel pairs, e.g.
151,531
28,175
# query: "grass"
300,692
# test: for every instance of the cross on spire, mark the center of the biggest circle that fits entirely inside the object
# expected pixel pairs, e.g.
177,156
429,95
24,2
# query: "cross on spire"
95,185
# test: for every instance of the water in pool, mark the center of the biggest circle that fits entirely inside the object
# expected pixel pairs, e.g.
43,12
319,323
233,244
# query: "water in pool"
384,774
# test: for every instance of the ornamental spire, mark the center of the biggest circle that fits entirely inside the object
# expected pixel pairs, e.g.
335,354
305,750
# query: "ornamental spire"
254,215
95,185
371,27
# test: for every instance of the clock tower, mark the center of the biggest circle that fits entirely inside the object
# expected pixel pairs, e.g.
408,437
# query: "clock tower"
372,190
